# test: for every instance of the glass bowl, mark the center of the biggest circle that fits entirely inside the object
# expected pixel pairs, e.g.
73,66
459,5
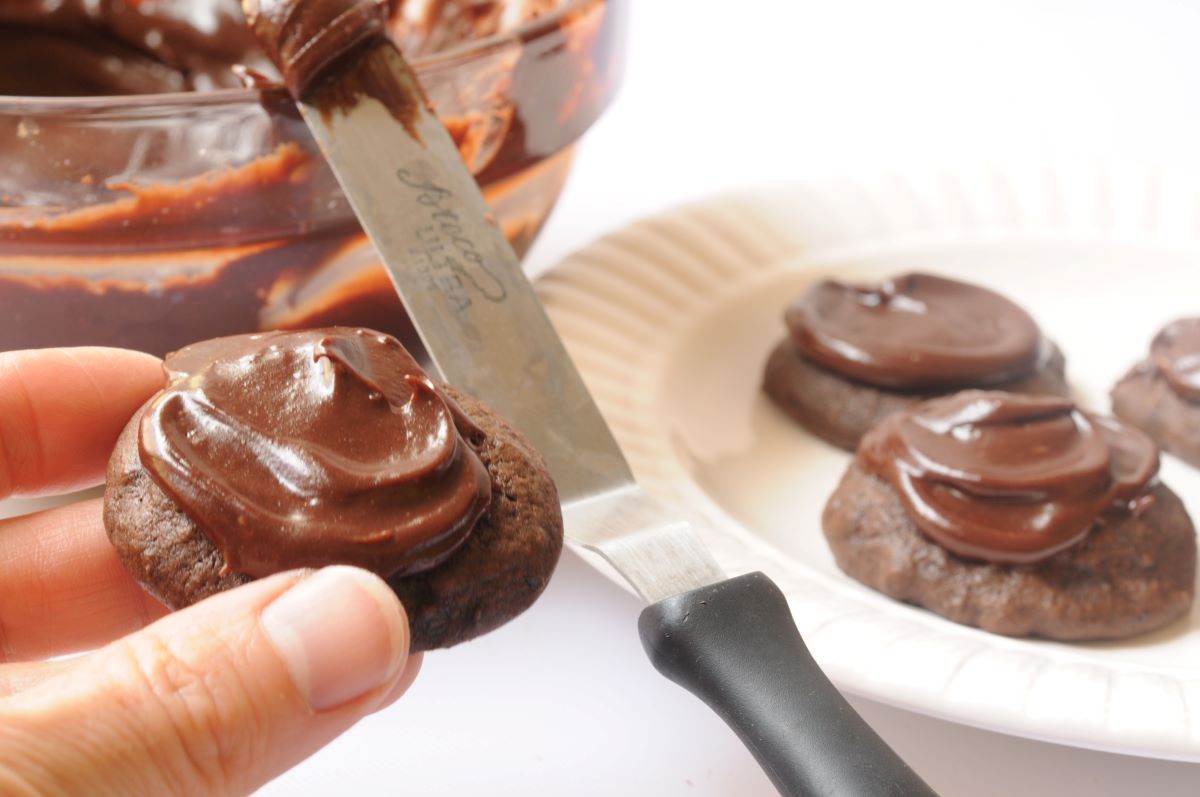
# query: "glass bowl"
152,221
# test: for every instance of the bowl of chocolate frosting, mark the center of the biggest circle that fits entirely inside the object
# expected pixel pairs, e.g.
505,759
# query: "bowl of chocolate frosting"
158,186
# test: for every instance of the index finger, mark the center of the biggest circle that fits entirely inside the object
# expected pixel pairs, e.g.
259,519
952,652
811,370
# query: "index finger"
61,411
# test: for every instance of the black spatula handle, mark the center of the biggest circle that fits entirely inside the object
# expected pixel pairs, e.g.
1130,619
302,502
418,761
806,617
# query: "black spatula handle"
735,645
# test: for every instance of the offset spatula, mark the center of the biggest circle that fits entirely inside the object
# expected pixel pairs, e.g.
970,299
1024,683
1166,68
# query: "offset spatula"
732,641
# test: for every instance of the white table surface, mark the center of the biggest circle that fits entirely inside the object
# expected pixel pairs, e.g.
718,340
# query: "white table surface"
562,701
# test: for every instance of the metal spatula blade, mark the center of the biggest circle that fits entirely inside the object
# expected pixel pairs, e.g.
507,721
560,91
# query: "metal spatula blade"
486,331
730,641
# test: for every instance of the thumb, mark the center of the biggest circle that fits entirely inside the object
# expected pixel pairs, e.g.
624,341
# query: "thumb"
217,698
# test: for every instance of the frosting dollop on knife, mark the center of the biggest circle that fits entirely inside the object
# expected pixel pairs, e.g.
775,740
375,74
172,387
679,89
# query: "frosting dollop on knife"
303,37
294,449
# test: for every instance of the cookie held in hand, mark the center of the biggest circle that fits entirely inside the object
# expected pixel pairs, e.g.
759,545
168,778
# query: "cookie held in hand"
280,450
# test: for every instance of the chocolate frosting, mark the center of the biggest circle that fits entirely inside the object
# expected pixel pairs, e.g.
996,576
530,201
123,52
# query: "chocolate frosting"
915,332
108,47
303,37
296,449
194,218
1008,478
71,47
1175,353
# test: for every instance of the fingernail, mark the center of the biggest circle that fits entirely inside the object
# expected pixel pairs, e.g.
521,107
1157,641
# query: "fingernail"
341,632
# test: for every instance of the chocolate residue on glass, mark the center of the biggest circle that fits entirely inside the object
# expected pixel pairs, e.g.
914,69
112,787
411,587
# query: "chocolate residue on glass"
173,214
1009,478
105,47
309,448
916,332
1175,353
149,226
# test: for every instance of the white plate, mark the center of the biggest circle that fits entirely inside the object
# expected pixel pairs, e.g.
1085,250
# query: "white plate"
670,321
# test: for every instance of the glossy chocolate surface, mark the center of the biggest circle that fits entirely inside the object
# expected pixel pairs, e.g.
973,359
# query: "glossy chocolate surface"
1009,478
108,47
303,37
152,223
104,47
317,447
915,332
1175,353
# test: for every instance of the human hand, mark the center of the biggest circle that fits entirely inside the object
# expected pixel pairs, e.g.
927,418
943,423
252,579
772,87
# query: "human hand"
217,698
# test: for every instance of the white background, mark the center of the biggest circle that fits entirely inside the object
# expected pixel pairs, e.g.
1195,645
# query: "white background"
735,94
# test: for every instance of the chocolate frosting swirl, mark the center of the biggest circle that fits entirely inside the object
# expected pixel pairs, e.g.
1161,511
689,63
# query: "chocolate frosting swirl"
78,47
296,449
1175,353
915,331
303,37
1008,478
72,47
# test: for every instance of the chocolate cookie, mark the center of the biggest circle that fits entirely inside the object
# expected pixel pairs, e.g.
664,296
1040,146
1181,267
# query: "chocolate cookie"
1019,516
840,410
495,544
1161,394
1132,573
857,353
